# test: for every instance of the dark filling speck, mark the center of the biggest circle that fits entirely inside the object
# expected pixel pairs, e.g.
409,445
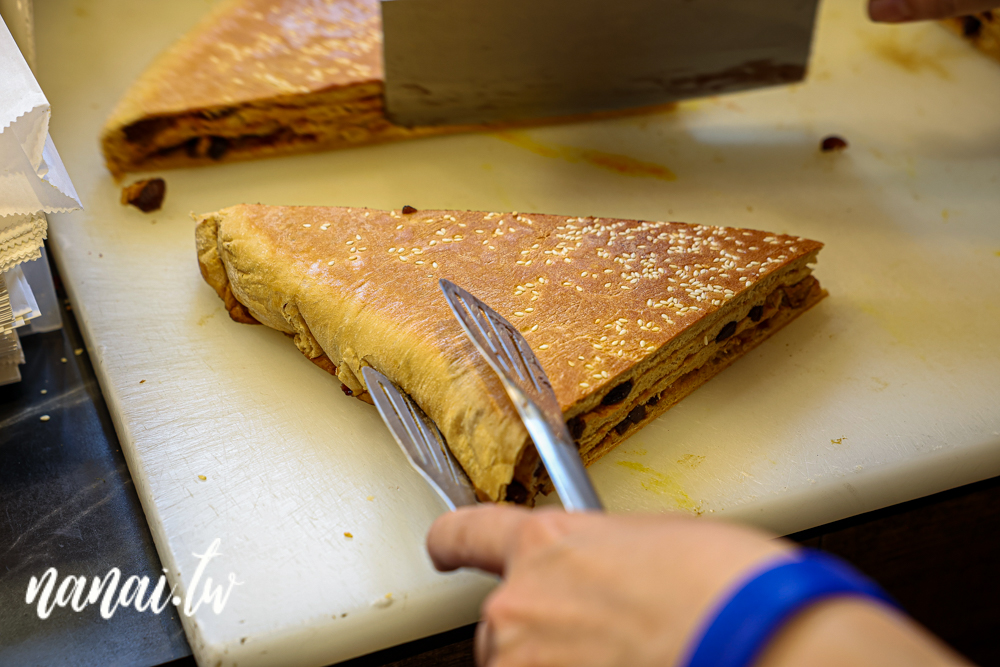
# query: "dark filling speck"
576,426
971,26
218,147
756,313
833,143
654,400
618,394
409,209
726,332
516,493
245,142
143,131
347,390
623,426
637,414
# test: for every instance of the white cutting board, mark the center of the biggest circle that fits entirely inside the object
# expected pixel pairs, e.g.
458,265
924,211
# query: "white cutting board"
888,390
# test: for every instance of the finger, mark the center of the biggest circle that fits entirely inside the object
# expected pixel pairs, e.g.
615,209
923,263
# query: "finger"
482,646
477,537
901,11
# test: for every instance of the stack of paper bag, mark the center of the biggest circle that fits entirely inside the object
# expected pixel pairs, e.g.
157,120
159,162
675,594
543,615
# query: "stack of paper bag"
33,182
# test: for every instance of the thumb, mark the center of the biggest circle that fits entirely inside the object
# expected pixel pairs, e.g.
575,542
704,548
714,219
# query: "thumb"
477,537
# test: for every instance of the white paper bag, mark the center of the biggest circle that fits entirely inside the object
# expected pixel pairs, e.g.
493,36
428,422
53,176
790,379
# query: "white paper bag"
23,307
11,356
33,180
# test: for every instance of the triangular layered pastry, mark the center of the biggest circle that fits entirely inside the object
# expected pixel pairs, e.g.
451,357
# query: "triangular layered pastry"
256,78
259,78
627,317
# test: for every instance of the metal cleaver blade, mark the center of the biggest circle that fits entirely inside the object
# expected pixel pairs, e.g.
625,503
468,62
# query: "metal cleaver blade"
493,61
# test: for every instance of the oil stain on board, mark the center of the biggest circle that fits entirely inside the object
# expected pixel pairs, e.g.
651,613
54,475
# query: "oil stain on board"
614,162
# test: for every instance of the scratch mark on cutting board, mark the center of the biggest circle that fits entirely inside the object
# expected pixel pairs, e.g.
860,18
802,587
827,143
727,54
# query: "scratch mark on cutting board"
620,164
657,482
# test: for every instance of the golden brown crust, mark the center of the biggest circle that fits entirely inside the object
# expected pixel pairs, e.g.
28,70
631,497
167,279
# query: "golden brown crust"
214,273
324,362
604,303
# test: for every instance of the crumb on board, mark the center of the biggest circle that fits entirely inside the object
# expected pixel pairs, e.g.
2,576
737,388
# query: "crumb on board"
78,351
146,195
45,391
44,418
63,359
833,143
371,497
349,536
203,478
141,381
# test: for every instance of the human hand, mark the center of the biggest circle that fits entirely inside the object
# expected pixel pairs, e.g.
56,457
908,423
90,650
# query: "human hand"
600,590
903,11
594,589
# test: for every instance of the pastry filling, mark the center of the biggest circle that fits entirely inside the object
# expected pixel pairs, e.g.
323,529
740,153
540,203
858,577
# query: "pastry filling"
627,405
329,119
624,408
645,396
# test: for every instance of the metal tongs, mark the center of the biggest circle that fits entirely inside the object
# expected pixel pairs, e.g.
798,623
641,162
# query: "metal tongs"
529,389
420,440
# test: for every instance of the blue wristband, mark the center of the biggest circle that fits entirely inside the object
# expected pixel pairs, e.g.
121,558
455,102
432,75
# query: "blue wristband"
741,626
